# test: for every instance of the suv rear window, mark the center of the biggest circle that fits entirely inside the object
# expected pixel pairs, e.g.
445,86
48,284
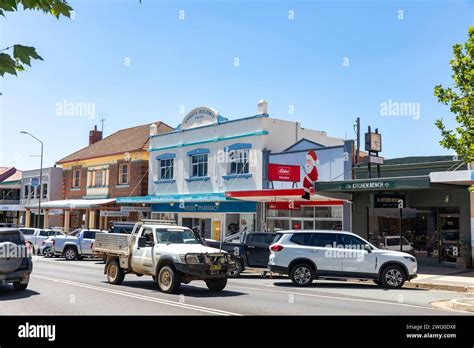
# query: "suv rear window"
11,236
277,238
27,231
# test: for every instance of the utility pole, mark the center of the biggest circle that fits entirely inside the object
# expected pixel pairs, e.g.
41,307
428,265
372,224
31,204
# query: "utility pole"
40,179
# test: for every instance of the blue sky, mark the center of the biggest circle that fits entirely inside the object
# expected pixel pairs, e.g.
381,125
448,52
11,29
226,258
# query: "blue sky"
184,63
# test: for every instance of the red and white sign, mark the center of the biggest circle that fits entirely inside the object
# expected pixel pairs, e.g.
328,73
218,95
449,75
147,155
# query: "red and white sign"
283,172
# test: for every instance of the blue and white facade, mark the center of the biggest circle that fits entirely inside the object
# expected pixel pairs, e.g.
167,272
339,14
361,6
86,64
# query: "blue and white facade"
207,155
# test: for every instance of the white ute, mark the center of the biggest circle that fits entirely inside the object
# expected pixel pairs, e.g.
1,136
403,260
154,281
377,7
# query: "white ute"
169,253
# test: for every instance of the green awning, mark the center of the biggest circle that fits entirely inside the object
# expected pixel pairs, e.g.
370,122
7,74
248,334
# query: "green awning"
375,184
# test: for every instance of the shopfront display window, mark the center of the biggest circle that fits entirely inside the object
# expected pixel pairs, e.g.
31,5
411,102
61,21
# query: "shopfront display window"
236,223
431,234
305,218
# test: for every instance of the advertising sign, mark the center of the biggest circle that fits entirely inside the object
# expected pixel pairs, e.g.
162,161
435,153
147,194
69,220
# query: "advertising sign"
388,201
283,172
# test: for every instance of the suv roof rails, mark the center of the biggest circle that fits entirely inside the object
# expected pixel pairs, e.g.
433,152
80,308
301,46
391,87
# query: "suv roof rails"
161,222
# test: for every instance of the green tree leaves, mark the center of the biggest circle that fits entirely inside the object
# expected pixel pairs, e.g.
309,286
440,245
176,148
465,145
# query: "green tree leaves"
460,98
22,55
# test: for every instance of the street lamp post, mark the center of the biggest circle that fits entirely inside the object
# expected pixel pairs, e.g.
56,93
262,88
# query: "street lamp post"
40,179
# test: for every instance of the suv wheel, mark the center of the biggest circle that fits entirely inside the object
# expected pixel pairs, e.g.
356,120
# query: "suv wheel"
392,277
115,274
302,274
70,254
168,280
217,284
19,286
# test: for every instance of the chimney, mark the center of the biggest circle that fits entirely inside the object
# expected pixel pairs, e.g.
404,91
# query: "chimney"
94,136
153,129
262,107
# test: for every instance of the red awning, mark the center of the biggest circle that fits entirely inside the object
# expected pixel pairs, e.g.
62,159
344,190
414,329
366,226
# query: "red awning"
282,195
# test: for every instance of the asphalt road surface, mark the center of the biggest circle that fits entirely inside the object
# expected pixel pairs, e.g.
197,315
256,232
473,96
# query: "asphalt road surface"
59,287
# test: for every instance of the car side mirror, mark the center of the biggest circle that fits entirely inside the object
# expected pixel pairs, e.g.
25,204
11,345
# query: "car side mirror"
367,248
141,242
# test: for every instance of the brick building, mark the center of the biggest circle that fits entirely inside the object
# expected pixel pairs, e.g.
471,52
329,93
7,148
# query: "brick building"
94,176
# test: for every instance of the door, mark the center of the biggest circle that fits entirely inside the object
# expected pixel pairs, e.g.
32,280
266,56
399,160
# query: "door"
356,259
258,250
324,252
449,237
42,236
142,258
86,242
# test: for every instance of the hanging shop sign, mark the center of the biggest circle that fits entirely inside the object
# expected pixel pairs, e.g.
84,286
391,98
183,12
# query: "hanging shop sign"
389,201
283,172
128,209
113,213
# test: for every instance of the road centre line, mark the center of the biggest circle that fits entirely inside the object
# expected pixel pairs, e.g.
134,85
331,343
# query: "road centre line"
137,296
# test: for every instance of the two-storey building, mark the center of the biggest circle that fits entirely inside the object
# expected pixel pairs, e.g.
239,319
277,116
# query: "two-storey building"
10,187
94,176
197,168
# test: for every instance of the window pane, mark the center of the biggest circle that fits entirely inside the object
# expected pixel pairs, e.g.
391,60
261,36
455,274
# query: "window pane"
301,238
324,240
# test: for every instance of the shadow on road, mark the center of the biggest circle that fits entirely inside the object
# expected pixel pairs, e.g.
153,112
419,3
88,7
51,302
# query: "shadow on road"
186,289
7,293
342,285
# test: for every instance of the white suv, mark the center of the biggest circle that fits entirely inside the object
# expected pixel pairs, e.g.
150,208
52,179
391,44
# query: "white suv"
305,255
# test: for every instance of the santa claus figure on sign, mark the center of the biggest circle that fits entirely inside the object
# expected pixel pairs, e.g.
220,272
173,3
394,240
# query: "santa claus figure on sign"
311,173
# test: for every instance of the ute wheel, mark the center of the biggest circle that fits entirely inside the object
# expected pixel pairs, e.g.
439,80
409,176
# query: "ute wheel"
70,254
19,286
115,274
392,277
302,274
217,284
235,273
168,280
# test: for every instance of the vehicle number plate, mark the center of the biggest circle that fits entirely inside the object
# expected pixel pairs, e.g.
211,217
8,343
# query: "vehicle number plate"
215,267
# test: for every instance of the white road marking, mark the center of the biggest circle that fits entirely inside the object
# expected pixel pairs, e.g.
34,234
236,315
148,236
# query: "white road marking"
335,297
137,296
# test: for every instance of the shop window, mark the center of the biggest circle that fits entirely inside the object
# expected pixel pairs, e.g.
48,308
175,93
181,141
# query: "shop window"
199,165
328,225
328,212
239,162
123,174
76,178
166,169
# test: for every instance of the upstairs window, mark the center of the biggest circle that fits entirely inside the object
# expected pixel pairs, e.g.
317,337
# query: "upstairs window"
199,165
239,162
166,170
45,190
123,174
76,178
99,180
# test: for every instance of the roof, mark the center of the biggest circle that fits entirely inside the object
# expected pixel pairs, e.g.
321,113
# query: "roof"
315,231
125,140
10,174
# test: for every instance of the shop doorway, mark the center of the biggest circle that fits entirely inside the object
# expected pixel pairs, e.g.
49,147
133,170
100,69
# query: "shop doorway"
203,226
430,234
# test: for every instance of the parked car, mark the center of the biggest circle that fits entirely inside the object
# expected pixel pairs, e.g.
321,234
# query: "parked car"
36,236
306,255
15,262
169,253
76,245
249,248
121,226
393,243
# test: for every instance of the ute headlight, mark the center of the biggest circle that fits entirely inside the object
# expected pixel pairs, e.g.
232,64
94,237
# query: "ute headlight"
411,258
192,259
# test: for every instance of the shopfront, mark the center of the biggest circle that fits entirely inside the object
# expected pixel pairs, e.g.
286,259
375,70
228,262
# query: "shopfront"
420,215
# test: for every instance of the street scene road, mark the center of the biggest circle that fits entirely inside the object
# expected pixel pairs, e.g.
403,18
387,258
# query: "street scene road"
60,287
